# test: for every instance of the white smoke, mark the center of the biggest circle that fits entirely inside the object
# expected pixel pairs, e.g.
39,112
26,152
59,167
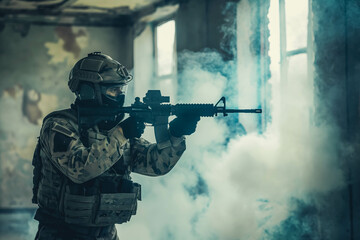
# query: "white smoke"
250,183
245,187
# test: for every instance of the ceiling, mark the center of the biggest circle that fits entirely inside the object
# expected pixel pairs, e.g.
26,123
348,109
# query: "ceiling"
84,12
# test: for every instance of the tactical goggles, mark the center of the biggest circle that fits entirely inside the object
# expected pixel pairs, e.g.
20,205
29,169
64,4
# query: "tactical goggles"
113,91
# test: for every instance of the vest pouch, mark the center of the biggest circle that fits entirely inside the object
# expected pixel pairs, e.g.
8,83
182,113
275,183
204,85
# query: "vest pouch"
115,208
137,190
79,209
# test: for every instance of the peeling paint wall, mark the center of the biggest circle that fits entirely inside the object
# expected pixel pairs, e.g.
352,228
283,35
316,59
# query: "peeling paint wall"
34,72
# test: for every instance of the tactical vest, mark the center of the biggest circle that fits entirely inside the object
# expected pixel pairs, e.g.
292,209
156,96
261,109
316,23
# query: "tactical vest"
105,200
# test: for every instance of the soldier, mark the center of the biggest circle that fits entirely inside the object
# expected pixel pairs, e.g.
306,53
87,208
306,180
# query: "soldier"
82,181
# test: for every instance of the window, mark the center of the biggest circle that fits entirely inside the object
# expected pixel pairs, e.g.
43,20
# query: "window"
290,52
165,59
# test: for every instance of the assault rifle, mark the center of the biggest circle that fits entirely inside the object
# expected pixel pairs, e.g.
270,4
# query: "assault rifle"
155,110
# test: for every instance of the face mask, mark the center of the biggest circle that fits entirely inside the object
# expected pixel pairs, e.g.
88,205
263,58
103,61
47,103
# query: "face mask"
113,95
101,96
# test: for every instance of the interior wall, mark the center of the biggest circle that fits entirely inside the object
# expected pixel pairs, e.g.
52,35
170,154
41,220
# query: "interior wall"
202,24
337,68
191,26
34,73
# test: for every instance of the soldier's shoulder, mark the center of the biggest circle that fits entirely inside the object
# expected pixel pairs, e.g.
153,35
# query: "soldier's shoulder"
62,119
65,114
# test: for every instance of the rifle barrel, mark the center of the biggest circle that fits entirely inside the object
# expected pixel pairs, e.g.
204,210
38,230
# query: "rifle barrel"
243,111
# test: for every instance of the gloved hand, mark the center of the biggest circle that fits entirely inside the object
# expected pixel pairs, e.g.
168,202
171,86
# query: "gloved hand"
132,127
183,125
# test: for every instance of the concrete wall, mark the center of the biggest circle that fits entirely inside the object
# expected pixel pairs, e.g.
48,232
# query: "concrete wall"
200,24
337,66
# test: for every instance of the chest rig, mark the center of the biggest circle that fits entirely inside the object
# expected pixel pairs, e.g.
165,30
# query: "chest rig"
105,200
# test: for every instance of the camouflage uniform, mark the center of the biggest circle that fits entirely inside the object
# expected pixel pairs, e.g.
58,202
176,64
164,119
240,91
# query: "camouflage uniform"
84,190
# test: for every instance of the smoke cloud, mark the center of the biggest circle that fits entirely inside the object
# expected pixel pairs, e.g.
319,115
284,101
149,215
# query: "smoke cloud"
241,189
244,186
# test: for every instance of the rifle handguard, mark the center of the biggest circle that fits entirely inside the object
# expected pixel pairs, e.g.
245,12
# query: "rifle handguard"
197,109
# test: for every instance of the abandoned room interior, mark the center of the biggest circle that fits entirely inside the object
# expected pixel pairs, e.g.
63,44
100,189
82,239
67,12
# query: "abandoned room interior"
291,172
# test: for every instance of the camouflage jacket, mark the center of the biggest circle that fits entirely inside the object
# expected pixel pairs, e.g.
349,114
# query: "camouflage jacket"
80,163
72,173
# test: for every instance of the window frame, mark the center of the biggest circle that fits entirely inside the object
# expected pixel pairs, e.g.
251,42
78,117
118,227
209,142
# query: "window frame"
285,55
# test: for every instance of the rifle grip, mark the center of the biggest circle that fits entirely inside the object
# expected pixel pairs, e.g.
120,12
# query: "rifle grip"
161,131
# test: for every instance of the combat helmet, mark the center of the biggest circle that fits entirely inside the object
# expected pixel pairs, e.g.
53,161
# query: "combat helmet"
99,78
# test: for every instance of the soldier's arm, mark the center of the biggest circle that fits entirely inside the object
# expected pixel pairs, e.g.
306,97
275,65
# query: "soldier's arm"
152,159
63,147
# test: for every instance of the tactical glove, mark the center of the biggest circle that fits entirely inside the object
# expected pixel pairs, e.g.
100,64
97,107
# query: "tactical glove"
132,127
183,125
